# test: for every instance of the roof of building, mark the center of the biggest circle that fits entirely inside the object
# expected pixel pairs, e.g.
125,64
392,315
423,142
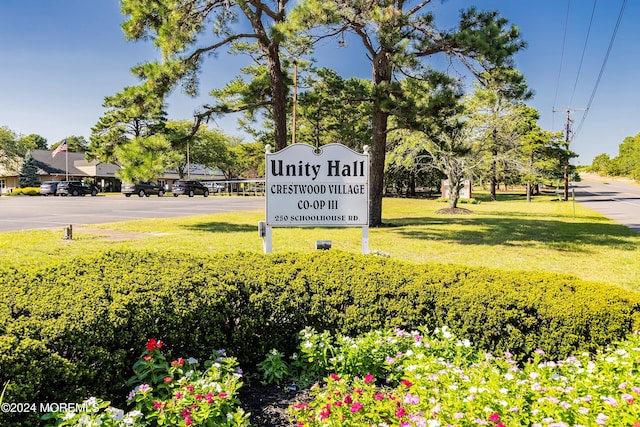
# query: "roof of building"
58,165
75,164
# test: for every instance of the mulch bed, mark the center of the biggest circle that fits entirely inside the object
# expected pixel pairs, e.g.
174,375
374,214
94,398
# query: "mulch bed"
455,211
268,403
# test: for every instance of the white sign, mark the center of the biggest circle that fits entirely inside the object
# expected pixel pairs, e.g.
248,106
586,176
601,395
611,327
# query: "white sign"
324,187
465,191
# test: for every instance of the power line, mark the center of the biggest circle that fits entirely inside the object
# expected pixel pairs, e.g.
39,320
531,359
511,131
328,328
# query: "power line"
564,42
604,63
584,49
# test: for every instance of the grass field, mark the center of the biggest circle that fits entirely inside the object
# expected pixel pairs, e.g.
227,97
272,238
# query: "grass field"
544,235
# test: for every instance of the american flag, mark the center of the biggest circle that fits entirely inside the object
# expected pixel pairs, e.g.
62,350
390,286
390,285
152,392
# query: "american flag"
62,147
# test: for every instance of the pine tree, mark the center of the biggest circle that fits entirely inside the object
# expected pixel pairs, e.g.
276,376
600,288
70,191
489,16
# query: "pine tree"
29,173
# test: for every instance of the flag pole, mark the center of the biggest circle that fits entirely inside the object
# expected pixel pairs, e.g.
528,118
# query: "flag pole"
66,162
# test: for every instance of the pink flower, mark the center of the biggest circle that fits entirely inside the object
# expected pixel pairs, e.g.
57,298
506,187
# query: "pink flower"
167,380
157,404
356,407
222,395
627,398
400,412
411,399
494,417
147,358
407,383
178,361
348,399
325,413
334,377
378,396
368,378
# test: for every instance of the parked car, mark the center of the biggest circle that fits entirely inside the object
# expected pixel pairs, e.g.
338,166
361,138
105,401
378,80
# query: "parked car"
76,188
189,188
49,188
143,188
214,187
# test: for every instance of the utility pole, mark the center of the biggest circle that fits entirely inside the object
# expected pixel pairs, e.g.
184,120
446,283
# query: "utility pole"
567,140
295,101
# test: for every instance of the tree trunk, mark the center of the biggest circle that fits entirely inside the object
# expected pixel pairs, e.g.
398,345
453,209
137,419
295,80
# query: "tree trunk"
271,49
529,183
278,98
411,190
494,175
454,191
376,175
382,77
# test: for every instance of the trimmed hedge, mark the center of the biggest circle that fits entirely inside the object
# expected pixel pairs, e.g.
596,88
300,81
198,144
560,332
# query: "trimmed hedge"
26,191
73,329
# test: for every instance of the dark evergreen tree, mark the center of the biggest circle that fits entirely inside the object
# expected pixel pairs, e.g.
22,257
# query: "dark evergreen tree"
29,173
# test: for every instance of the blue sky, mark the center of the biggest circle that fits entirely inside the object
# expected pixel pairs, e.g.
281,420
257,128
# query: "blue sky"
60,58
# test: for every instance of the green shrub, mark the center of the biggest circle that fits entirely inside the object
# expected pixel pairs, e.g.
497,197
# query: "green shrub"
69,330
26,191
461,201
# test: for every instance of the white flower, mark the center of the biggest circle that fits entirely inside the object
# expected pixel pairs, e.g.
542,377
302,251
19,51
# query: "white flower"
601,419
192,361
115,413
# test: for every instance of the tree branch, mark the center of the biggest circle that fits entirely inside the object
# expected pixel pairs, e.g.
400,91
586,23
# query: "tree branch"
198,52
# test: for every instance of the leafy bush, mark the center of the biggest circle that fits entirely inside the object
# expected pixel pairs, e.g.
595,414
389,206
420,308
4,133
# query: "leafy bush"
26,191
434,380
168,394
68,330
462,200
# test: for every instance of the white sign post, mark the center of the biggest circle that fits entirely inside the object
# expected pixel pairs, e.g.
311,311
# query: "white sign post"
327,187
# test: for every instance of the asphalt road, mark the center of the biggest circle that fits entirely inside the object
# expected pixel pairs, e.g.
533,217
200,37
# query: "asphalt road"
616,200
25,213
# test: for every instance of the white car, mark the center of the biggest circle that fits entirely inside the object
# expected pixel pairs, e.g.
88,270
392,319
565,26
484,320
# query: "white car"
214,187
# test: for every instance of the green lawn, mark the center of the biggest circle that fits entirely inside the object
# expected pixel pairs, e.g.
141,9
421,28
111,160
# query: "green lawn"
543,235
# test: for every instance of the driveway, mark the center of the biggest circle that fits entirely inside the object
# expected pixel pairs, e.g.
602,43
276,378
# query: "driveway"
25,213
615,199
